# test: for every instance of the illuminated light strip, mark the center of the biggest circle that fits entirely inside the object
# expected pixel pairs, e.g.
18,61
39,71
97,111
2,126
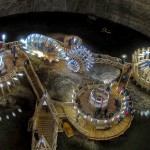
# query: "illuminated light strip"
8,83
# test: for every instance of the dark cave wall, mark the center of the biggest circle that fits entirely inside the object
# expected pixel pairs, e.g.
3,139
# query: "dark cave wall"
131,13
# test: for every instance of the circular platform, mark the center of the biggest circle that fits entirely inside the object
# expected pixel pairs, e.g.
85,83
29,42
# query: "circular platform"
99,97
83,119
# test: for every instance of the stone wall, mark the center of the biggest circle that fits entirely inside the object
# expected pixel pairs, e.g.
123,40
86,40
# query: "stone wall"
131,13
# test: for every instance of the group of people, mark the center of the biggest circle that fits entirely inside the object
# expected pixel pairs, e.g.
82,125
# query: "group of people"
99,113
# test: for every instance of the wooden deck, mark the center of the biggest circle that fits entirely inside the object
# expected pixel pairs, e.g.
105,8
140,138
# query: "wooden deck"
90,130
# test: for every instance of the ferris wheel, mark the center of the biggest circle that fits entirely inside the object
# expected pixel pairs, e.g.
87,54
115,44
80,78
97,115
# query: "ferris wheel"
80,59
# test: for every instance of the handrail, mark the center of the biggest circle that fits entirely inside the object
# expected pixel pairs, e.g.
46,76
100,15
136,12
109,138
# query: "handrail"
62,103
37,79
10,43
110,62
55,134
34,89
107,57
78,127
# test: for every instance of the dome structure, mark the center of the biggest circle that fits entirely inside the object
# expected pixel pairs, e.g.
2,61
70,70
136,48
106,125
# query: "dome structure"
141,66
72,41
80,59
40,45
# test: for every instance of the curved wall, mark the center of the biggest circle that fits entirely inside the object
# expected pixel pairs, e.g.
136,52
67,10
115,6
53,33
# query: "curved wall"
132,13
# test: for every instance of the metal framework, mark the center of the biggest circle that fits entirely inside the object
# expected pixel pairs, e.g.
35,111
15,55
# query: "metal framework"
40,43
80,59
141,66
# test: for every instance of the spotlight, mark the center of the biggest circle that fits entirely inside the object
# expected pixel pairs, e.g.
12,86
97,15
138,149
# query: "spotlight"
78,111
141,113
27,52
23,41
85,116
67,58
19,110
20,74
7,117
3,37
8,83
24,47
105,121
112,119
1,85
16,79
124,57
14,114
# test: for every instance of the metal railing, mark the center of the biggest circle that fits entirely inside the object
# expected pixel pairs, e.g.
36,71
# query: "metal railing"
9,75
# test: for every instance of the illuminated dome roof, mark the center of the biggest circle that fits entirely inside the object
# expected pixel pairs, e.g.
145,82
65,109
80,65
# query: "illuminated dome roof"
44,44
80,59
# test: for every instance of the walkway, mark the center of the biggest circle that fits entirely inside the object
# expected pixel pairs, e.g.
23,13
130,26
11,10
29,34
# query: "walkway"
47,122
44,122
90,130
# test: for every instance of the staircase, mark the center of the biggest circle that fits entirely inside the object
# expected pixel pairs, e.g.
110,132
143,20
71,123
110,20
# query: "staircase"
45,122
45,125
35,80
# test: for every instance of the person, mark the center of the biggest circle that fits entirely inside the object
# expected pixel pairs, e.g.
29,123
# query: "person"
14,62
125,78
105,112
99,110
77,117
95,114
111,114
108,89
116,102
36,135
26,63
78,102
107,126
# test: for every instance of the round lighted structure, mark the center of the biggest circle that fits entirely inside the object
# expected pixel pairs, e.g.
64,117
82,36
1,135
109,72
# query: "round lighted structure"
80,59
40,44
141,67
99,97
74,65
72,40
